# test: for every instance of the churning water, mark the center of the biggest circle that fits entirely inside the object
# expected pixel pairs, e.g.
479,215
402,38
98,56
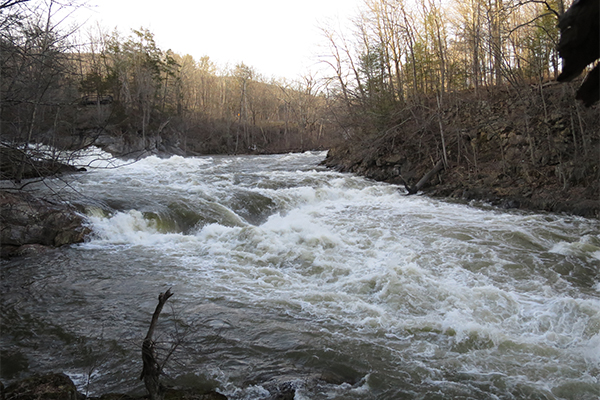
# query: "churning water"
286,274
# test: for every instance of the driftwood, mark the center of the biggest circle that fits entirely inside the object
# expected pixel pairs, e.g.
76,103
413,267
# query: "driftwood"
152,369
414,189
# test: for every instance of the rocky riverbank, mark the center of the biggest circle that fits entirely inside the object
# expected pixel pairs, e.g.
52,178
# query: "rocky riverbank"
31,224
60,387
533,148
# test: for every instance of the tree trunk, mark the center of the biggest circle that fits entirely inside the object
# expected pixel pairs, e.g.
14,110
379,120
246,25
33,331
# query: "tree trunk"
414,189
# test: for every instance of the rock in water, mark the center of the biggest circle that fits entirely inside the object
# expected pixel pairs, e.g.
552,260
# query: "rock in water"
28,220
51,386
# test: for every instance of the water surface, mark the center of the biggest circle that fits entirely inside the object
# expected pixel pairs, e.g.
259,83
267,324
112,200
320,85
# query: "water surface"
286,273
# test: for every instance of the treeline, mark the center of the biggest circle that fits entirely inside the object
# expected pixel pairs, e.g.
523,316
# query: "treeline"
402,51
212,109
407,61
394,75
69,89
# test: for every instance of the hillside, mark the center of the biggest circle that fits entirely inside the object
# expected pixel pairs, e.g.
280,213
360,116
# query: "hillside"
532,148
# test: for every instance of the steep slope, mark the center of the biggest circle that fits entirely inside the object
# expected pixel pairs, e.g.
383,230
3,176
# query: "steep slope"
533,148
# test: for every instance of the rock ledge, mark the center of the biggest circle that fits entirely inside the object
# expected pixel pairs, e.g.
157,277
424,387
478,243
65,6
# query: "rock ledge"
27,220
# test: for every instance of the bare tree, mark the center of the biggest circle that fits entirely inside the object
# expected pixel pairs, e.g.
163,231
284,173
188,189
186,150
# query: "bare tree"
37,89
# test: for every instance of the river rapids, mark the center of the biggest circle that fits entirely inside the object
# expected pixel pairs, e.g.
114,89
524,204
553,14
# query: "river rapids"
287,274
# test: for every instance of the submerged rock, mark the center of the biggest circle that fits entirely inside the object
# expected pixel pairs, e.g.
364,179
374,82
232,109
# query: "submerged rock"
27,220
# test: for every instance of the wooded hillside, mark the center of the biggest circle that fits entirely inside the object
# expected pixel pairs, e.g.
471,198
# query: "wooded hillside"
468,92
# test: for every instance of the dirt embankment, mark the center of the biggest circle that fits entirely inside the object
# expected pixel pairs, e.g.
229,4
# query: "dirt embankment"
533,148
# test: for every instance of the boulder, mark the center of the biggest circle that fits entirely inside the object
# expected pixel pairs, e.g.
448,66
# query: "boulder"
45,387
28,220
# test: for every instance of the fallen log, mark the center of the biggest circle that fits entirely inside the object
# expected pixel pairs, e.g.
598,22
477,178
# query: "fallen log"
414,189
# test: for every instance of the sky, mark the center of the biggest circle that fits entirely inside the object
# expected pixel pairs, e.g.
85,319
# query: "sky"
279,38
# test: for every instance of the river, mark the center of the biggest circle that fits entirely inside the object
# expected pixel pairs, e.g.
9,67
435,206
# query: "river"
287,274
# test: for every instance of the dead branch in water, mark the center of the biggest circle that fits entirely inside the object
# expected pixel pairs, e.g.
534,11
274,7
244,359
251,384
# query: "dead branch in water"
152,369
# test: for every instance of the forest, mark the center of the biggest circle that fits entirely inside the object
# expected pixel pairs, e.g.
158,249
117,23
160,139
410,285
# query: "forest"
402,52
70,88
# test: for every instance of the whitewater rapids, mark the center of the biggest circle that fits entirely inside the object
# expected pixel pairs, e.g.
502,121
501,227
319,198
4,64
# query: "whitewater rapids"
285,272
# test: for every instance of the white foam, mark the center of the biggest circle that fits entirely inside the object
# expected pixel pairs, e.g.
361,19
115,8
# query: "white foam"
129,228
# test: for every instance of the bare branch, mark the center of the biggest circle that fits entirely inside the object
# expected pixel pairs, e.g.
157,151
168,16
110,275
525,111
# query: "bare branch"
152,369
9,3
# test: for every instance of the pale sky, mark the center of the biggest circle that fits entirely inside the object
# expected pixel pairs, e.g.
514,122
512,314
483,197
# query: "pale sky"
279,38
